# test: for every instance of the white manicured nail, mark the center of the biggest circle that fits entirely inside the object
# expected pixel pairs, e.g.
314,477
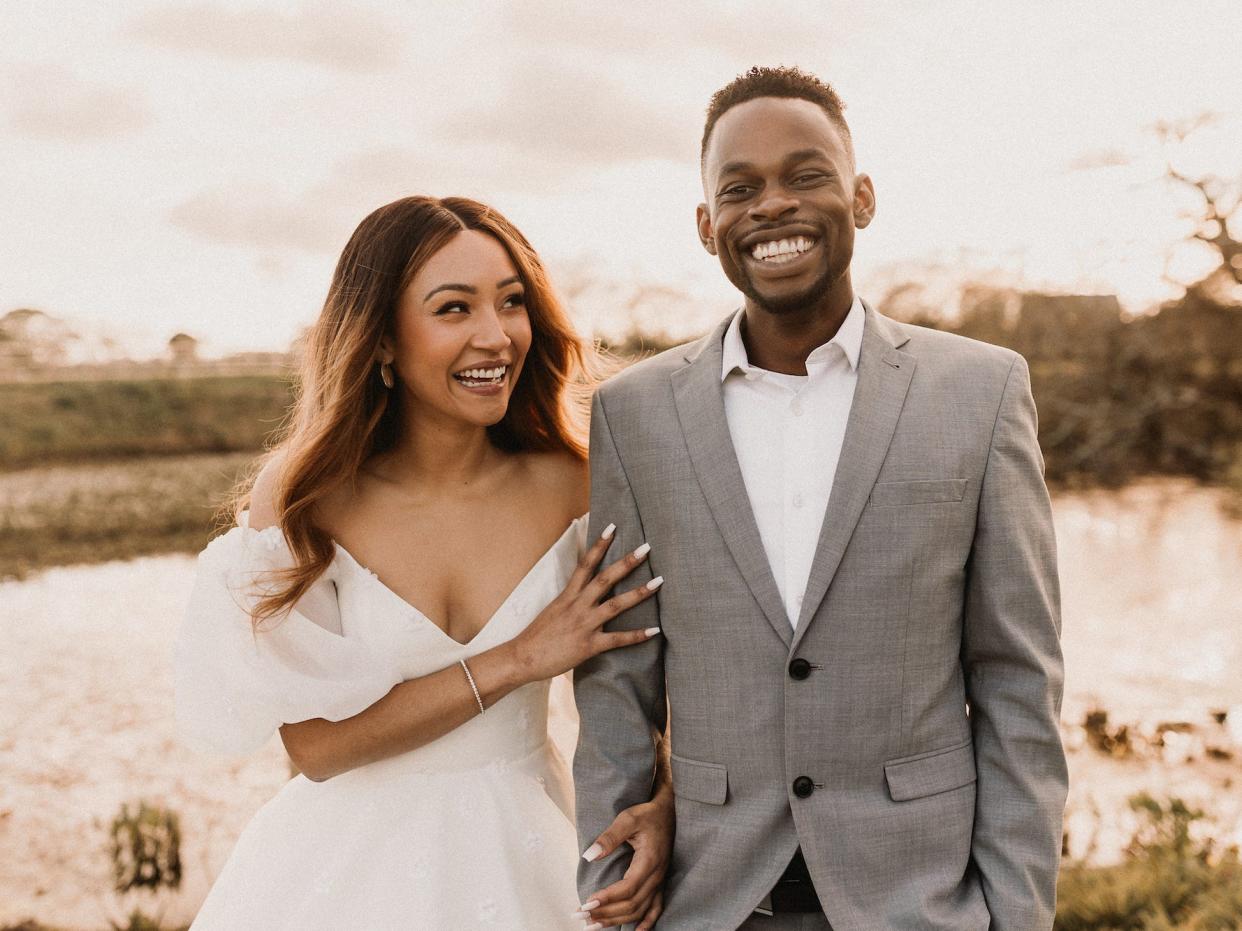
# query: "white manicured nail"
594,927
581,916
655,583
651,631
587,906
608,532
642,551
591,855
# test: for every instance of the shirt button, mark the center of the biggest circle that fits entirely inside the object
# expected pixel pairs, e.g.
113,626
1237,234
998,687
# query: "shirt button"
797,501
796,407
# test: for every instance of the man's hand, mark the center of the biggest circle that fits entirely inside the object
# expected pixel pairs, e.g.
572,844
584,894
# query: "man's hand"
639,894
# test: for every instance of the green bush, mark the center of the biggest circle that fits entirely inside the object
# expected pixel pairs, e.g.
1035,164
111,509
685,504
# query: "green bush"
1169,880
78,421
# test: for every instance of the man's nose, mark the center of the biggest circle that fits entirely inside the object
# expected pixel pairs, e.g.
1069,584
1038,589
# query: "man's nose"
773,204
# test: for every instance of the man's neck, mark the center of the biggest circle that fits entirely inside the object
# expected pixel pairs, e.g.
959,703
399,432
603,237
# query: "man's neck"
781,342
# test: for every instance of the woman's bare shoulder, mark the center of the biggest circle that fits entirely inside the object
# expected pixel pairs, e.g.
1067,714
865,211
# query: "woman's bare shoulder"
563,481
263,493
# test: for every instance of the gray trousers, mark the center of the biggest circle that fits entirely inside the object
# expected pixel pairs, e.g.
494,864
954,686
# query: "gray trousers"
785,922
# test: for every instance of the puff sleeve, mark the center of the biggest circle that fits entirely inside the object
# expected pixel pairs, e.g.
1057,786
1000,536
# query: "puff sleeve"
234,686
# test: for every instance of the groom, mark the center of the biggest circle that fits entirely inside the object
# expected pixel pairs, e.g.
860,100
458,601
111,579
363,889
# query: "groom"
860,660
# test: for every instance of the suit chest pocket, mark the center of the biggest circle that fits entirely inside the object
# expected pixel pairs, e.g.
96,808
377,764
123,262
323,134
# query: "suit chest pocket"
904,494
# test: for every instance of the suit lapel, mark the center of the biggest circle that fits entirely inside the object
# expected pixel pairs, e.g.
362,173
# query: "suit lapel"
700,408
884,374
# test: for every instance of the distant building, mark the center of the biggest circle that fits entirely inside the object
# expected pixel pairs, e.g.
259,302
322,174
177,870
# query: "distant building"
184,349
31,339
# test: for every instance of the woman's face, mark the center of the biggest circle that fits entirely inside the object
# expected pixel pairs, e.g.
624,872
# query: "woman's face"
462,332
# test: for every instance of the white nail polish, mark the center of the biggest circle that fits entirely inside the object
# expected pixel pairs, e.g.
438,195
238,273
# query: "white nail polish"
591,854
651,631
581,916
655,583
587,906
642,551
595,927
608,532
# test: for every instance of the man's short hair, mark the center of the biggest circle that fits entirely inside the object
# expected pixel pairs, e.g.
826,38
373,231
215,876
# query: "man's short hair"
776,82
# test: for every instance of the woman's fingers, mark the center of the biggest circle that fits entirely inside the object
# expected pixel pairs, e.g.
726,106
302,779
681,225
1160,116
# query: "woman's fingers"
619,604
613,837
590,559
654,910
606,580
629,899
625,638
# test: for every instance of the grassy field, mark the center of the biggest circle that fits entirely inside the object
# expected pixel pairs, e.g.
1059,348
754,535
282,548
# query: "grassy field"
71,422
92,512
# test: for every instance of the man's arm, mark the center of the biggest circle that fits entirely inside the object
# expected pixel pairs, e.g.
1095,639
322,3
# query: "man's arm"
1011,656
619,693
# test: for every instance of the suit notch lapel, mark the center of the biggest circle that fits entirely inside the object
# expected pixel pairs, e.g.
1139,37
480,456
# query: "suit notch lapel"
884,375
699,397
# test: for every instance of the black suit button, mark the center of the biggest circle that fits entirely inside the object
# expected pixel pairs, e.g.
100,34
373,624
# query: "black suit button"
800,668
803,786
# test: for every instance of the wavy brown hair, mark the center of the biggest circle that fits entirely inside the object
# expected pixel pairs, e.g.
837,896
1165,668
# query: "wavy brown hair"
344,414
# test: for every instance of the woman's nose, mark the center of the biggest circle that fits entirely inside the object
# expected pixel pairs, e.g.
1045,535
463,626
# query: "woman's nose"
490,333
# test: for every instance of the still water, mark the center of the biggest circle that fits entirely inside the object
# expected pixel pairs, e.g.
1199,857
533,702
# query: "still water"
1152,627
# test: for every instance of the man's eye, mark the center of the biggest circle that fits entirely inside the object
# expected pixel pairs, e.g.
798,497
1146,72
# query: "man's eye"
808,178
453,307
736,190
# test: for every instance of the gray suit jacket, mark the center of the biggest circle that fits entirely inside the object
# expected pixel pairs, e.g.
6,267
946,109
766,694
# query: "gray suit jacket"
928,723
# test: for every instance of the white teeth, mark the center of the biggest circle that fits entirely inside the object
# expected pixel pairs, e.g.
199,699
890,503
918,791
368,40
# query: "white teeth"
771,249
495,374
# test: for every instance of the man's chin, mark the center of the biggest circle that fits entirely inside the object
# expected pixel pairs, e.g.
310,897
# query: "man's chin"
791,302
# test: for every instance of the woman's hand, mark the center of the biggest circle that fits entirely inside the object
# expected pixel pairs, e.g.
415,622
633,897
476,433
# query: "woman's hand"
639,894
569,630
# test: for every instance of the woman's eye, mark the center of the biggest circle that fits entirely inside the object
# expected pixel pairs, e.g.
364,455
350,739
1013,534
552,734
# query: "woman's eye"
454,307
515,300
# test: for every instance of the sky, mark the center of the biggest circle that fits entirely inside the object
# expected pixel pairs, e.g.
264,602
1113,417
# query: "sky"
197,166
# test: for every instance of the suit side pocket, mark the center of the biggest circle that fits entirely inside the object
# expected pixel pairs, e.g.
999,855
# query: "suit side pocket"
702,782
930,773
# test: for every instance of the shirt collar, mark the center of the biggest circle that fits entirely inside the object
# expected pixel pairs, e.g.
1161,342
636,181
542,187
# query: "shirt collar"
848,340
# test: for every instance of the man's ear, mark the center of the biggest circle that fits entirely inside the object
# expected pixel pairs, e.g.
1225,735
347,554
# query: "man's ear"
706,236
864,201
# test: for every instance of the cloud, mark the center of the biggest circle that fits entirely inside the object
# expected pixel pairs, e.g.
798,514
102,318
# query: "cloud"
1099,158
50,102
343,37
768,33
558,114
319,217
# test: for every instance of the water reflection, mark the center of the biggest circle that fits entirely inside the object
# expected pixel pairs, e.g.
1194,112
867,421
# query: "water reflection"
1152,625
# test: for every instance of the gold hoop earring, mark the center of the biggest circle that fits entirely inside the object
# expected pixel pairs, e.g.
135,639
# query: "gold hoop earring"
386,374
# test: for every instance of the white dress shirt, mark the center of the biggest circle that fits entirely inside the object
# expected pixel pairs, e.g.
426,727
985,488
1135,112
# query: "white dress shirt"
787,431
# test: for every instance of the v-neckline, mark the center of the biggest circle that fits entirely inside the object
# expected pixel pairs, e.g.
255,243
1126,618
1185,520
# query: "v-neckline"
423,616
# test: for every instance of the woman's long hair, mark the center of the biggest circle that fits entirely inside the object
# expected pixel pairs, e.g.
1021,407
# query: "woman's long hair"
344,414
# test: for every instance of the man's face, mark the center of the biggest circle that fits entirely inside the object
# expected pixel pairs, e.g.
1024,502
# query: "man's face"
782,202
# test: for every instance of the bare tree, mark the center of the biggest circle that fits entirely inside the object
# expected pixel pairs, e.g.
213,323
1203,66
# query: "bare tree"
1220,200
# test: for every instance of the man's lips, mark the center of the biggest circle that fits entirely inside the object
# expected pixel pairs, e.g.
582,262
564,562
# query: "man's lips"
781,257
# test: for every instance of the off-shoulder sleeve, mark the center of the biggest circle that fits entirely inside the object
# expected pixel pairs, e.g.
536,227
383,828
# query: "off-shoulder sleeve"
235,687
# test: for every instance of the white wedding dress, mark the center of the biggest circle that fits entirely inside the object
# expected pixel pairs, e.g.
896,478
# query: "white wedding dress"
473,830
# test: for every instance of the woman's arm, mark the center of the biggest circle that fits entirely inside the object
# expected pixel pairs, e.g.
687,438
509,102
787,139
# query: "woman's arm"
417,711
414,713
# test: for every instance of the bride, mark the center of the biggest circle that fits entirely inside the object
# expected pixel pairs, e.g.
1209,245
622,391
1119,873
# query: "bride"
410,574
